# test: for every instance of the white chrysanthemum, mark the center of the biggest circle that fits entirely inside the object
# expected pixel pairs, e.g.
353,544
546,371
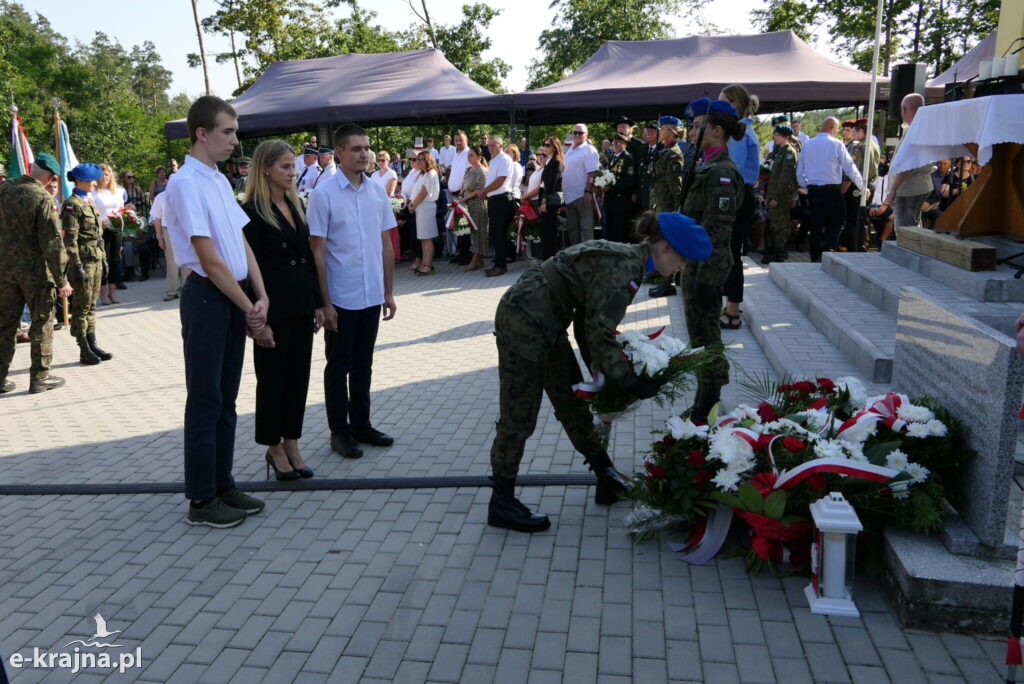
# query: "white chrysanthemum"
901,490
648,358
856,451
725,446
936,428
632,338
859,432
817,419
858,395
744,412
916,414
919,430
672,346
917,471
829,448
788,427
727,480
685,429
897,460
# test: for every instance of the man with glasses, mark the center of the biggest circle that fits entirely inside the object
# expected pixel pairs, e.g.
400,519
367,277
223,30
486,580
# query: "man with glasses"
581,165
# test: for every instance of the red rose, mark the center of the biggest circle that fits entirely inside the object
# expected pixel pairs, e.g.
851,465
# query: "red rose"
696,458
767,412
792,444
657,472
702,478
817,482
785,388
804,386
669,440
826,384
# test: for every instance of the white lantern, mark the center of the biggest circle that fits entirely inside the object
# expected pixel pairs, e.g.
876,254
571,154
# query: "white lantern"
832,557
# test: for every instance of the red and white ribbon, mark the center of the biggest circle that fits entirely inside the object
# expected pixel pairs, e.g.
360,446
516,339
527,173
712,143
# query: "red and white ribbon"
886,410
455,210
588,390
843,466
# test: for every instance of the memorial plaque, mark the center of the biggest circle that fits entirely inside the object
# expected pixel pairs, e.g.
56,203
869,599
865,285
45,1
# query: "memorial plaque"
975,372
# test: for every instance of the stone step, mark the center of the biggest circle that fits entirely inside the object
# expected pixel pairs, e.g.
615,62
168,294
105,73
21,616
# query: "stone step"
998,285
862,332
794,346
879,281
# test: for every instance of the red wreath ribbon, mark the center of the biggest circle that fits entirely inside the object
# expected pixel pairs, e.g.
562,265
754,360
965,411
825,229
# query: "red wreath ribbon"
455,210
772,539
886,410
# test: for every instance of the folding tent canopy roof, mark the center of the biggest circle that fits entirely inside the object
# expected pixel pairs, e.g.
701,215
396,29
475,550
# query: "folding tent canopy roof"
651,77
968,66
391,88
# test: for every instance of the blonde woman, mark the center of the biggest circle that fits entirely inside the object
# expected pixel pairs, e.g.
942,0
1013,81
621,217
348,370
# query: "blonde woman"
108,198
424,206
385,176
279,238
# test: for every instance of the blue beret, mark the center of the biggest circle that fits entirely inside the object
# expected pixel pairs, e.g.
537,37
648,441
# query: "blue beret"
325,150
685,235
669,121
705,106
86,172
309,150
784,129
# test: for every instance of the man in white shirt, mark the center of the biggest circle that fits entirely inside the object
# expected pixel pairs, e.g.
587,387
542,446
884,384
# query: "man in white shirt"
796,131
327,166
908,189
349,219
459,165
432,149
310,170
820,172
176,274
205,224
446,155
500,205
581,165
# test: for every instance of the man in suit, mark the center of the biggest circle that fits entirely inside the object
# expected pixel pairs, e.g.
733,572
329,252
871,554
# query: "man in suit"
645,176
618,198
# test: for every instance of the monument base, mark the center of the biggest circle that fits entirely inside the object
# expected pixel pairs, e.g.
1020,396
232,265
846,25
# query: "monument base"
931,588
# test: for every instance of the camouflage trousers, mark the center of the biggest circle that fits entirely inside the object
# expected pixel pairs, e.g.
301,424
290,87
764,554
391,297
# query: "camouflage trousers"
702,306
529,365
83,299
15,293
779,217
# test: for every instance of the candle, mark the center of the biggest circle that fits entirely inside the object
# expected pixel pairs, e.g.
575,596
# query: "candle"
1011,64
997,67
985,72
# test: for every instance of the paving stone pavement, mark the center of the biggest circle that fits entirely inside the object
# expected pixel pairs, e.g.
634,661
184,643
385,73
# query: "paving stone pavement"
391,585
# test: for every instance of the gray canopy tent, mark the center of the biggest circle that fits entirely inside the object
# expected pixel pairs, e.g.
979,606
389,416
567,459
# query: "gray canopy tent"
652,77
393,88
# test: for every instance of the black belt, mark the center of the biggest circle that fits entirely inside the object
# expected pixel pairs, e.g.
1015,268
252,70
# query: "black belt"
831,186
244,283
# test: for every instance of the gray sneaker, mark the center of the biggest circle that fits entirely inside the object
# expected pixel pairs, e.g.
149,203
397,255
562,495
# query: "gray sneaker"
236,498
215,513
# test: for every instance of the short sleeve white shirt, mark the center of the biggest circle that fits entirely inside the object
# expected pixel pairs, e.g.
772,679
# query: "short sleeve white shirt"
409,182
446,155
325,174
307,176
433,153
352,219
517,179
156,210
431,182
534,181
200,203
459,164
383,180
501,165
579,162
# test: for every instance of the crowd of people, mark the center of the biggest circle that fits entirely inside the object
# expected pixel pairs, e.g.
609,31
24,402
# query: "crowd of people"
281,245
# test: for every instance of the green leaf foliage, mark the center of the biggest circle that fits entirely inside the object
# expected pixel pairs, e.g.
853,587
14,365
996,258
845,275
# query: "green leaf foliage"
751,499
775,504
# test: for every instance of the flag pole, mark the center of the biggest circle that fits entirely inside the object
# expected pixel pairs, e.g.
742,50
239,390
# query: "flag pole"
869,136
60,164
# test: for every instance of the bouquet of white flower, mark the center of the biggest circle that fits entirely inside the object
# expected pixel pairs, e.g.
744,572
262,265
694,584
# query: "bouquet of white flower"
604,179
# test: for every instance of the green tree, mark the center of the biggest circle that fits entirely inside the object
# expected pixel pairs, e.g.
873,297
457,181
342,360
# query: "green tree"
583,26
464,43
786,15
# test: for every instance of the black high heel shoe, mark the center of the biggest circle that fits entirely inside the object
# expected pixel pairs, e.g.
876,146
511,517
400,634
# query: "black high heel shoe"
286,475
306,472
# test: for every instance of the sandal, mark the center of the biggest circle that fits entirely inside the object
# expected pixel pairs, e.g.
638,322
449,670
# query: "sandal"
421,272
733,323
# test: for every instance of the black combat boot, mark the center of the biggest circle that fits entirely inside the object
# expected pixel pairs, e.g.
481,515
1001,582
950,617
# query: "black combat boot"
91,339
666,289
504,510
611,485
86,356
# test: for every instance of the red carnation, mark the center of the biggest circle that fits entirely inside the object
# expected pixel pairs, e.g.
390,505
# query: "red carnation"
785,388
804,386
696,458
669,440
792,444
767,412
817,482
702,478
826,384
657,472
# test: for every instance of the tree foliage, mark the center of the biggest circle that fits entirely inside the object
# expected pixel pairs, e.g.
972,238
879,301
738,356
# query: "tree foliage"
583,26
113,100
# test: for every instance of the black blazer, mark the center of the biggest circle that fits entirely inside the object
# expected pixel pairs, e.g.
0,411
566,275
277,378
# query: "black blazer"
551,177
286,264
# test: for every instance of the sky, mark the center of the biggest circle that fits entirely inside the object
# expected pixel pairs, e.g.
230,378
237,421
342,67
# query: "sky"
169,24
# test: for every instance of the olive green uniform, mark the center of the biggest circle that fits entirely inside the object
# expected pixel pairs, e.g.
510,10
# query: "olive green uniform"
589,285
618,199
781,190
83,237
667,184
713,200
645,177
32,264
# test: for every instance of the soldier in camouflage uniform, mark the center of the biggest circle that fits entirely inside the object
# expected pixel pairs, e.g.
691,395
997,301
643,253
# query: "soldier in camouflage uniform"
780,193
32,262
618,199
83,236
713,199
853,234
667,185
589,285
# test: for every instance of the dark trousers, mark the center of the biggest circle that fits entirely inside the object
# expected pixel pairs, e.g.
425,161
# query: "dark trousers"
826,218
348,370
499,216
282,380
616,227
550,239
213,332
113,242
853,233
740,226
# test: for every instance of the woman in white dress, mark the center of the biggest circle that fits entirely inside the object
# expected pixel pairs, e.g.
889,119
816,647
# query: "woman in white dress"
109,198
424,206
